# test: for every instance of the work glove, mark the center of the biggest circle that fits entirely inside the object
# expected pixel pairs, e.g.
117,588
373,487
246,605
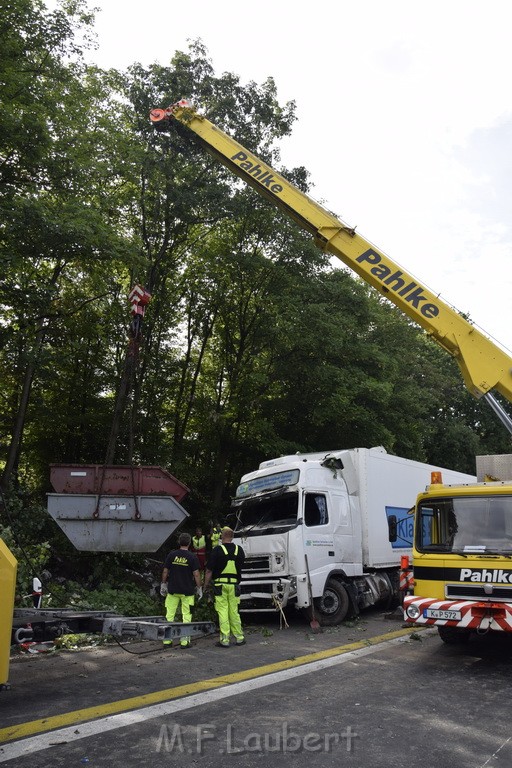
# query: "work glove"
199,592
164,589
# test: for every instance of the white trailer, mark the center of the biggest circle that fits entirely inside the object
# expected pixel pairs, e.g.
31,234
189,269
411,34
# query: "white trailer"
317,526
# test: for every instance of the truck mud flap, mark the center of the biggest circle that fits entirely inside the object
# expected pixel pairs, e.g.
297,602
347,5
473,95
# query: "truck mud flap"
352,596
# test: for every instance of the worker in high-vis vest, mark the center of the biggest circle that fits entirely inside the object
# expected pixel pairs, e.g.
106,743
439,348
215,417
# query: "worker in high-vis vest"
199,547
224,570
215,534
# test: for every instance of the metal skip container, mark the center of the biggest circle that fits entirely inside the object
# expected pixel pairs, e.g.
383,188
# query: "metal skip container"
118,480
116,509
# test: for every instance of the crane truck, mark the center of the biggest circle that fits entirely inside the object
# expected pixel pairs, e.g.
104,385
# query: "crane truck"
462,554
462,574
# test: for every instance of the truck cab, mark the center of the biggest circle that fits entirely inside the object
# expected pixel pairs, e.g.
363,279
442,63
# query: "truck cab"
290,508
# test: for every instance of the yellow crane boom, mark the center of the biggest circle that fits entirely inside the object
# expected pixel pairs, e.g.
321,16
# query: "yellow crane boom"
483,364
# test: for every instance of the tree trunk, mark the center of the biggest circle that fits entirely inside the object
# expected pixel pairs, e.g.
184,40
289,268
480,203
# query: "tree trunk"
123,394
13,454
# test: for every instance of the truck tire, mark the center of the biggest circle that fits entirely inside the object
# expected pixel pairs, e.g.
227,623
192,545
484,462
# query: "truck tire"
453,635
332,607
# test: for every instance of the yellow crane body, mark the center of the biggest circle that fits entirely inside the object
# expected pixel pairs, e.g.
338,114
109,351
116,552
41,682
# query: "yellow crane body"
484,365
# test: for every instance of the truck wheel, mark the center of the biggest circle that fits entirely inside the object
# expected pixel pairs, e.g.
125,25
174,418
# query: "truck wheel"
453,635
332,607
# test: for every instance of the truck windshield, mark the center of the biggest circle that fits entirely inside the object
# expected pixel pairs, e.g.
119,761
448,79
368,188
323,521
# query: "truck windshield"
467,525
273,513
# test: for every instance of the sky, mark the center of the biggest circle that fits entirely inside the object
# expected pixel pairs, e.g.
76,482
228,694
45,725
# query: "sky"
404,118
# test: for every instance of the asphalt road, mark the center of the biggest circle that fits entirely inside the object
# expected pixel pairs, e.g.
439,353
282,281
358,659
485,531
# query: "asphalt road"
366,694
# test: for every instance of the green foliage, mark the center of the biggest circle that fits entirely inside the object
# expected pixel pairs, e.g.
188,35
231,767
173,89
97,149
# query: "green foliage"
73,642
204,610
126,601
32,559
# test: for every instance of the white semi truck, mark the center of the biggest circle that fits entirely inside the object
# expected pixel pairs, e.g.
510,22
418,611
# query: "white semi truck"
328,528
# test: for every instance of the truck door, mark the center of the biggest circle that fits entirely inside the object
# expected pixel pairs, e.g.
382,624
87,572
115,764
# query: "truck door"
318,530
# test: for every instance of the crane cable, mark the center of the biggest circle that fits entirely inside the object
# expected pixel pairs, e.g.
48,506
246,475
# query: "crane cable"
139,298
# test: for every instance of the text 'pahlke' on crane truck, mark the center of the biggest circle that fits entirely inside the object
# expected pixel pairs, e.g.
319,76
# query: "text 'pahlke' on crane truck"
316,526
463,554
479,572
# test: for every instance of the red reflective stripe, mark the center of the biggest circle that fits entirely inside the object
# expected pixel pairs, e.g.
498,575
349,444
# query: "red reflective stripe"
474,614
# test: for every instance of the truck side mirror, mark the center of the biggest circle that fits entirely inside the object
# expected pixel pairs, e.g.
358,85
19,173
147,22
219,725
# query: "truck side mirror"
392,527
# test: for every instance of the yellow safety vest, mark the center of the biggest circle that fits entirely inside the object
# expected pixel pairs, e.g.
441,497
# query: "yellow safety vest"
229,573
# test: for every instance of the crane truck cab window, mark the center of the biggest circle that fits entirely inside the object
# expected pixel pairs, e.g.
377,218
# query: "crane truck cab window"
315,509
465,524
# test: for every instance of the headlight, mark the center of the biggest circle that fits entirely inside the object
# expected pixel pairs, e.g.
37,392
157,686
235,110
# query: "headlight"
413,611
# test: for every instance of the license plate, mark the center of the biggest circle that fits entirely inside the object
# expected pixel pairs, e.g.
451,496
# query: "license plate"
435,613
